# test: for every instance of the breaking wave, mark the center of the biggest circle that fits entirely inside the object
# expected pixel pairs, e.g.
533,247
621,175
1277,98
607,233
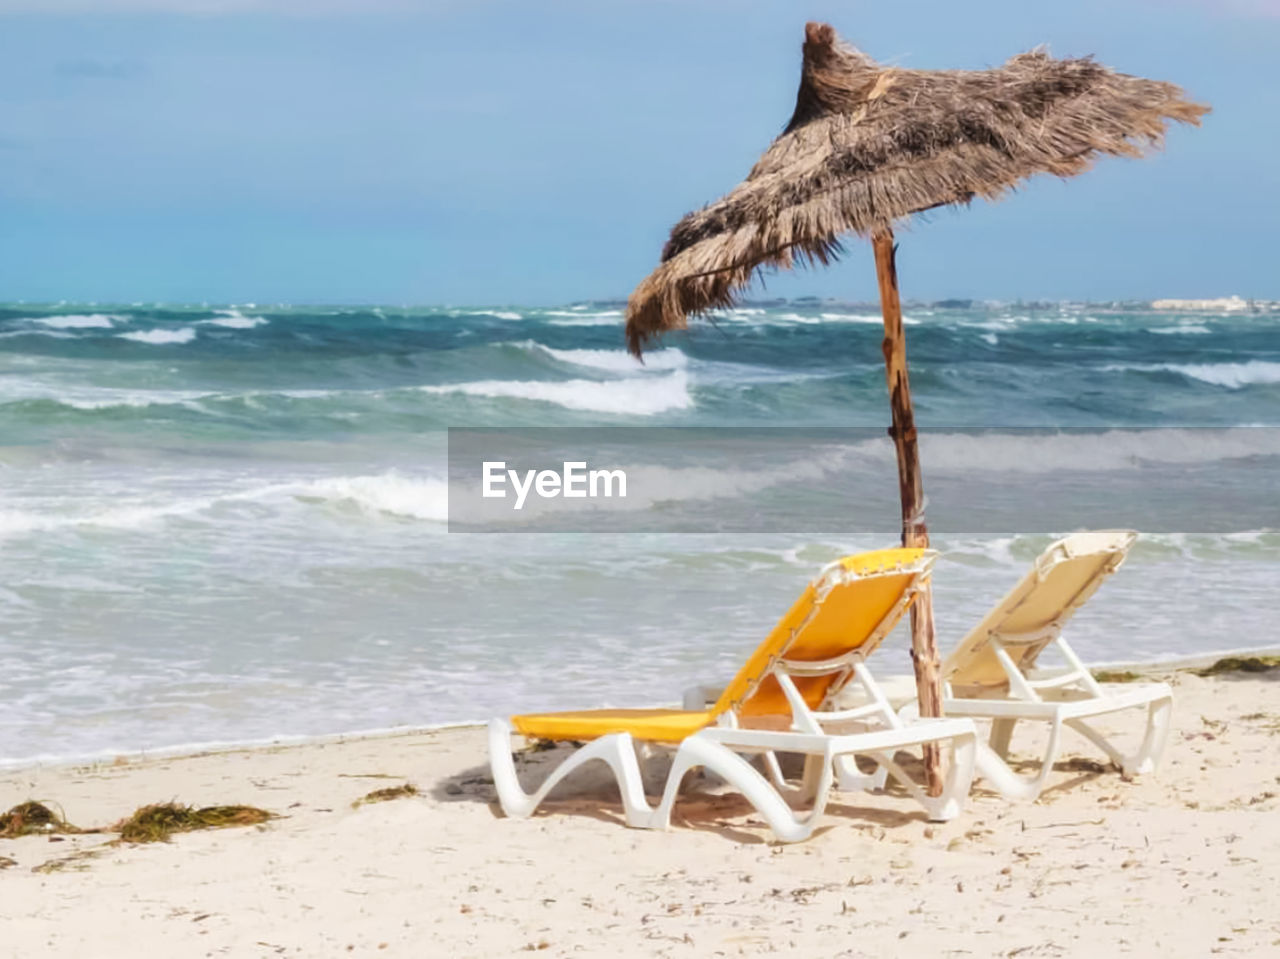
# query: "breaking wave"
161,337
635,397
79,321
613,361
425,498
1232,376
235,320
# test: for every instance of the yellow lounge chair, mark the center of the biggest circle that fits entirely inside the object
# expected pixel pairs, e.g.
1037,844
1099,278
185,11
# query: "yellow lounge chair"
779,702
991,674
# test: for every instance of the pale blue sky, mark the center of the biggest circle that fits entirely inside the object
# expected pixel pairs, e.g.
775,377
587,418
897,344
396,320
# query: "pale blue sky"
443,151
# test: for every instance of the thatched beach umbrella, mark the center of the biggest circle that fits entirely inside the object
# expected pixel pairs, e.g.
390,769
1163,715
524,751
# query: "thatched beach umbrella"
869,145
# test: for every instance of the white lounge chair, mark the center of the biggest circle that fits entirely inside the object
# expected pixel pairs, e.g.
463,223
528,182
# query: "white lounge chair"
779,702
992,672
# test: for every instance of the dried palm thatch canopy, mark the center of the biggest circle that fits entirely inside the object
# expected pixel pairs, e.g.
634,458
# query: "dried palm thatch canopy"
868,145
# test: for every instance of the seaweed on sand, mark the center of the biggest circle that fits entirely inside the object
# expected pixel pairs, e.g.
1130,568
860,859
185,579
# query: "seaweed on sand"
1241,664
31,817
77,861
1116,676
385,794
157,822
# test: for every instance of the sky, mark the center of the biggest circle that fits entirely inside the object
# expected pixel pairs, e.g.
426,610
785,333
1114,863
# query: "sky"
507,152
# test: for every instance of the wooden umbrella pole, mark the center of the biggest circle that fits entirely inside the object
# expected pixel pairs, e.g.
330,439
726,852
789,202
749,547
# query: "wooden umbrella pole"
924,645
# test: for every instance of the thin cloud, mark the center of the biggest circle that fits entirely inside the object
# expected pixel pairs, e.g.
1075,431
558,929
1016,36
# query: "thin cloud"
1248,8
213,7
1266,8
100,69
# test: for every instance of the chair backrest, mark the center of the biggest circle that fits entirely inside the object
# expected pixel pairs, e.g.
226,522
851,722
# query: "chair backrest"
1032,615
841,618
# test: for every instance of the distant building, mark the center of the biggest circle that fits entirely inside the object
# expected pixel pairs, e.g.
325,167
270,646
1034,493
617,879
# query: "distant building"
1226,304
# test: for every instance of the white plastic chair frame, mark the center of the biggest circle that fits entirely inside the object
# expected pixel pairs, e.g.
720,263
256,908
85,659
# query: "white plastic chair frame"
876,711
815,734
1063,699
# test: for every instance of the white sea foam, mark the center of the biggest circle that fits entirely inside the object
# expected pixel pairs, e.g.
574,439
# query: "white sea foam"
112,399
54,334
416,497
113,755
615,361
78,321
159,337
104,398
641,396
20,522
1232,376
1025,452
996,550
852,318
991,338
136,515
500,314
235,320
85,397
1191,329
578,318
765,318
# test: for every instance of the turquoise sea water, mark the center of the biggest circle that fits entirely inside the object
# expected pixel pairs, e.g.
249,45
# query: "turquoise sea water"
228,524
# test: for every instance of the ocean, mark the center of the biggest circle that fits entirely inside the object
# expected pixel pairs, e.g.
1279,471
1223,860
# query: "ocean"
230,524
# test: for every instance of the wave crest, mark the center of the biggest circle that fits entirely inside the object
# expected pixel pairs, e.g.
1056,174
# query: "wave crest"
78,321
235,320
612,361
1233,376
425,498
160,337
634,397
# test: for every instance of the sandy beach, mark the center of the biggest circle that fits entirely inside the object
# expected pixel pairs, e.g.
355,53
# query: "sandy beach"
1185,863
373,369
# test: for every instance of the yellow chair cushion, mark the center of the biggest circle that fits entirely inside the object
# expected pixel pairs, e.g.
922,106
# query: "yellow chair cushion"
814,631
654,725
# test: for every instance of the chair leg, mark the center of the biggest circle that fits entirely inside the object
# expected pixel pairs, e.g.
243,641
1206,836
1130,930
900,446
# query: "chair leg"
852,779
793,795
993,768
1159,724
955,788
617,750
1001,736
737,772
1147,756
812,778
1099,740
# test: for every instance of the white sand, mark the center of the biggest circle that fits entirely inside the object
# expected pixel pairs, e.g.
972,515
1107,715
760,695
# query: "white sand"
1183,864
